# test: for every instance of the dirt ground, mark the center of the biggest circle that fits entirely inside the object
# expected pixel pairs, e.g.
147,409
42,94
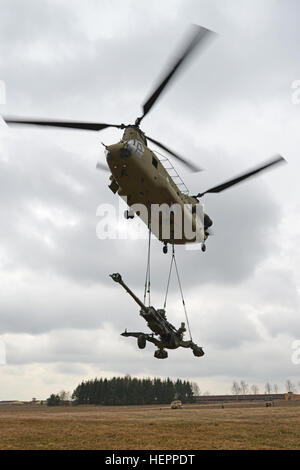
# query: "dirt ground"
150,427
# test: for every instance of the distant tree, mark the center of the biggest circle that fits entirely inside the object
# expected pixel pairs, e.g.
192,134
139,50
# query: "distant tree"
64,396
290,387
53,400
195,389
183,390
275,388
244,387
236,389
254,389
268,388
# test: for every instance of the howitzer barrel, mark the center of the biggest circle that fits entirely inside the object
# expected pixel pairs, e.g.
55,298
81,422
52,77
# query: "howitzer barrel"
118,278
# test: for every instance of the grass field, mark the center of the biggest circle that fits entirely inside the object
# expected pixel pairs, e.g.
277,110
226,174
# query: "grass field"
150,427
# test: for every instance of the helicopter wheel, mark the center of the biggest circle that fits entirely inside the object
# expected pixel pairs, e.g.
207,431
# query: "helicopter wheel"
203,247
165,249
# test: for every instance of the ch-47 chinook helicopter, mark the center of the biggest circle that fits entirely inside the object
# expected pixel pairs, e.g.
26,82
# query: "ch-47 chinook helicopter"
140,177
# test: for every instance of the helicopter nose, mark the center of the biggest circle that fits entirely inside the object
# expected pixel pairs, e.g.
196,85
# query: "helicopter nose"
111,152
118,153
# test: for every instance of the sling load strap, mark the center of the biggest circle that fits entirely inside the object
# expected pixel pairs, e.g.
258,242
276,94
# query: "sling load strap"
169,277
173,261
147,281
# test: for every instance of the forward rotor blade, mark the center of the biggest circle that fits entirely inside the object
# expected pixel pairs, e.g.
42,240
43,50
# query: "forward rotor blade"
199,35
90,126
186,162
244,176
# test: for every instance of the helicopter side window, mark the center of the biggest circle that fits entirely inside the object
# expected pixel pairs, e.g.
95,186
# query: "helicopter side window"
154,162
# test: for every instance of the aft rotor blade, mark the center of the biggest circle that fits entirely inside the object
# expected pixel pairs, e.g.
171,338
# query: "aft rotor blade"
186,162
244,176
90,126
199,35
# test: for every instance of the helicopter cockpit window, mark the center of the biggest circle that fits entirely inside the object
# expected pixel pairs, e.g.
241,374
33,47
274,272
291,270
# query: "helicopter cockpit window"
135,146
154,162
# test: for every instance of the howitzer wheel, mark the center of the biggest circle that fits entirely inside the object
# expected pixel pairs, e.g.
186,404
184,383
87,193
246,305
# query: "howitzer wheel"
141,341
160,354
198,352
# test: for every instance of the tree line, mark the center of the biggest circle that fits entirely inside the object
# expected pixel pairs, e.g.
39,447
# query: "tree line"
243,388
132,391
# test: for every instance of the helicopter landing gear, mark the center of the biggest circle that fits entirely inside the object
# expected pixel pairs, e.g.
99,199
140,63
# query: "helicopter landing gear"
128,214
165,248
160,354
203,247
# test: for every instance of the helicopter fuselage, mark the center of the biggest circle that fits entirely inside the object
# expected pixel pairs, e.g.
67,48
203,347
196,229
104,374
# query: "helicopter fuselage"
139,177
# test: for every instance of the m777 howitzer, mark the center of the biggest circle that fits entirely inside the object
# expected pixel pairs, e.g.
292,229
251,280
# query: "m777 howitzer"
167,336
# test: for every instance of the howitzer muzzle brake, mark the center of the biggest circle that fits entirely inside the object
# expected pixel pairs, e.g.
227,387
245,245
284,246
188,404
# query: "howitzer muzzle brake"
116,277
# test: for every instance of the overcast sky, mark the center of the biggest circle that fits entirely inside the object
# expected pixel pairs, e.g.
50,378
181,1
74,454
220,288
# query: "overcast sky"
60,314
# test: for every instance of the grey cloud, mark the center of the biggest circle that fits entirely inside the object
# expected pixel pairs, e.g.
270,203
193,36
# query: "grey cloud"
282,320
102,351
227,328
